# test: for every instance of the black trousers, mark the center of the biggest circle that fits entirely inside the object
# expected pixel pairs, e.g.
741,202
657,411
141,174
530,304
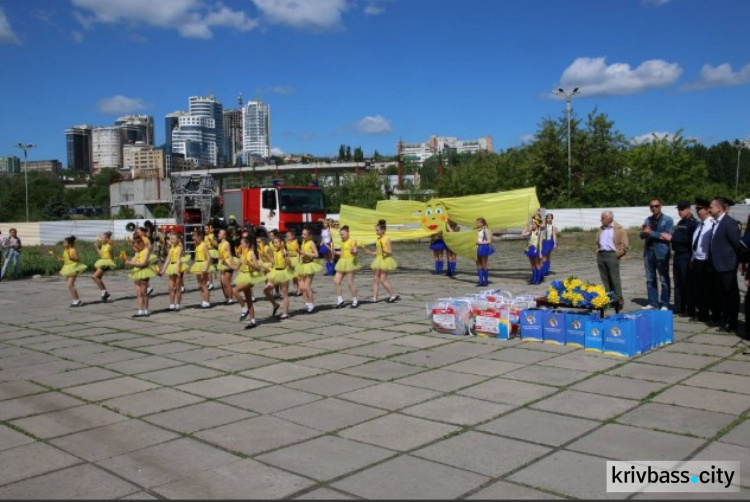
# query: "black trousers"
728,297
704,285
683,291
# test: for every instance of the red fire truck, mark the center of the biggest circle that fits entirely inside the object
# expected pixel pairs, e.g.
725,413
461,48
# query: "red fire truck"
276,207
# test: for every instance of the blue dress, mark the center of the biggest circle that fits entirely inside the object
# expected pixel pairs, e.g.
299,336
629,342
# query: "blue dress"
484,249
548,244
533,248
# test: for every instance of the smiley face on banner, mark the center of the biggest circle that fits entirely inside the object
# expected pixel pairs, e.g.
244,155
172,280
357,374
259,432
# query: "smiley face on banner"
433,216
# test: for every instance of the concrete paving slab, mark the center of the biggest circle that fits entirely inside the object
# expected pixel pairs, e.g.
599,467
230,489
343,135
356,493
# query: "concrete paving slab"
329,414
727,382
677,419
732,366
67,421
547,375
257,435
152,401
458,410
168,348
250,347
398,432
238,362
628,388
410,478
700,349
375,335
570,474
483,453
325,494
585,405
676,360
518,355
36,404
206,415
270,399
484,367
330,384
720,451
503,490
540,427
391,396
77,377
222,386
651,372
325,458
283,372
430,358
31,460
113,440
705,399
74,483
10,438
333,362
167,462
142,365
582,361
109,389
740,435
620,442
382,370
19,388
441,380
201,355
513,392
240,480
179,375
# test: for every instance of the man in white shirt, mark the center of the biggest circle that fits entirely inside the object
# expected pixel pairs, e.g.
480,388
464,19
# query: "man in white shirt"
699,271
611,245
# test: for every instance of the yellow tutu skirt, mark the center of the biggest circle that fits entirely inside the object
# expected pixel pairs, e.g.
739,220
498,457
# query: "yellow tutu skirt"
279,276
213,253
387,264
311,268
152,258
185,258
224,268
266,265
105,264
251,278
175,269
294,264
197,268
140,274
72,269
345,265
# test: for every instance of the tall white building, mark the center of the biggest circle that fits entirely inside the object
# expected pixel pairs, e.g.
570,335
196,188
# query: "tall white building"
199,134
106,148
256,129
136,128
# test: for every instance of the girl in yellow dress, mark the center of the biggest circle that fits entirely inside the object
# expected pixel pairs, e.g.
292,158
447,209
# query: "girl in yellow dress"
383,262
141,234
225,266
346,265
264,253
140,274
104,263
202,267
280,275
292,248
72,266
307,268
174,267
251,273
213,252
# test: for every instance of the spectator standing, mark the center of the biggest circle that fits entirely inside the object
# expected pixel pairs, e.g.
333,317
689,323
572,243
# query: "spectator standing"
611,245
12,254
722,255
2,251
699,272
682,245
656,255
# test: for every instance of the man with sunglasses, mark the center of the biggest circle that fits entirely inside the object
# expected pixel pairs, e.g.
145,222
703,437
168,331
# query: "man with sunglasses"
682,241
723,253
656,232
701,274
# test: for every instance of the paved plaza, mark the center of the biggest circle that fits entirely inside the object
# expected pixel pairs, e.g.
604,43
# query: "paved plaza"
341,404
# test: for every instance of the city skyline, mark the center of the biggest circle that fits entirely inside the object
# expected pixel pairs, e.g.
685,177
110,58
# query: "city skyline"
368,72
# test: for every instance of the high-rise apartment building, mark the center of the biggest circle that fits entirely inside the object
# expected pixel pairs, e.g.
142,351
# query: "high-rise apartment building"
199,134
171,122
143,161
256,129
233,134
136,128
10,164
106,148
420,152
78,142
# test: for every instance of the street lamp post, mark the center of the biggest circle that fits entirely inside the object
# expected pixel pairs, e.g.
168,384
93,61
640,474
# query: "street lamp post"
568,97
26,148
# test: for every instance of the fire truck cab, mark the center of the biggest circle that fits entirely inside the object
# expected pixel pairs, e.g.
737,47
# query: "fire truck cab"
276,207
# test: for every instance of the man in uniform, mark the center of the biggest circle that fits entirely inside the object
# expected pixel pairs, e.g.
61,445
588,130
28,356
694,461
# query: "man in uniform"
682,245
699,272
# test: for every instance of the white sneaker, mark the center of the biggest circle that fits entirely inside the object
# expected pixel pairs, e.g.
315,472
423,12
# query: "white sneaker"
210,286
664,308
171,306
647,307
177,307
205,305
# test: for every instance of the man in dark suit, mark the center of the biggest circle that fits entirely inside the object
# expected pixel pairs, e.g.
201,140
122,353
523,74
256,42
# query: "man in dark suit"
682,245
699,271
723,252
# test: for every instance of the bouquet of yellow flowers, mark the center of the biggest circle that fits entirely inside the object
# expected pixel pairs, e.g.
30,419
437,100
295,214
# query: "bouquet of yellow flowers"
576,293
123,256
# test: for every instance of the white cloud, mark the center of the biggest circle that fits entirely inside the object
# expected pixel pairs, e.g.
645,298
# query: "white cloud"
527,138
277,151
720,76
595,78
120,105
651,137
316,15
373,10
373,125
191,18
7,35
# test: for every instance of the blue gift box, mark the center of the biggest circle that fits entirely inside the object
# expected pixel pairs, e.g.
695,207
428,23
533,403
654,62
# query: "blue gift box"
627,335
554,327
594,335
575,327
531,322
661,326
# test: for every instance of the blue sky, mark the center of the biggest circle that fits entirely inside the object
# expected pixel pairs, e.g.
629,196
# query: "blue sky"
368,72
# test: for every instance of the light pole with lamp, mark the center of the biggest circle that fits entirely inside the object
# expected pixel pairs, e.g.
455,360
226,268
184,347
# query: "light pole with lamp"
26,148
739,145
568,97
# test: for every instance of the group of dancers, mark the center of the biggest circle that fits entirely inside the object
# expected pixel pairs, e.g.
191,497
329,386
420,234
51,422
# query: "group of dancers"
484,250
273,262
542,241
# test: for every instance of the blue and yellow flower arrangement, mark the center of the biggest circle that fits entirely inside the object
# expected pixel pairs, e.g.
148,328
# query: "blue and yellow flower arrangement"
574,292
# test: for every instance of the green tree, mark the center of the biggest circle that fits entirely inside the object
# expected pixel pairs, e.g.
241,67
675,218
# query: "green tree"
54,209
342,152
364,190
125,213
376,156
348,155
161,211
359,155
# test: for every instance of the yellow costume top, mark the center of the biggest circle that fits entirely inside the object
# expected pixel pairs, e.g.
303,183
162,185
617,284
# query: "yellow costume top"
141,257
380,246
308,247
106,251
209,242
225,251
346,248
279,260
263,252
174,253
67,260
200,252
247,257
292,248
